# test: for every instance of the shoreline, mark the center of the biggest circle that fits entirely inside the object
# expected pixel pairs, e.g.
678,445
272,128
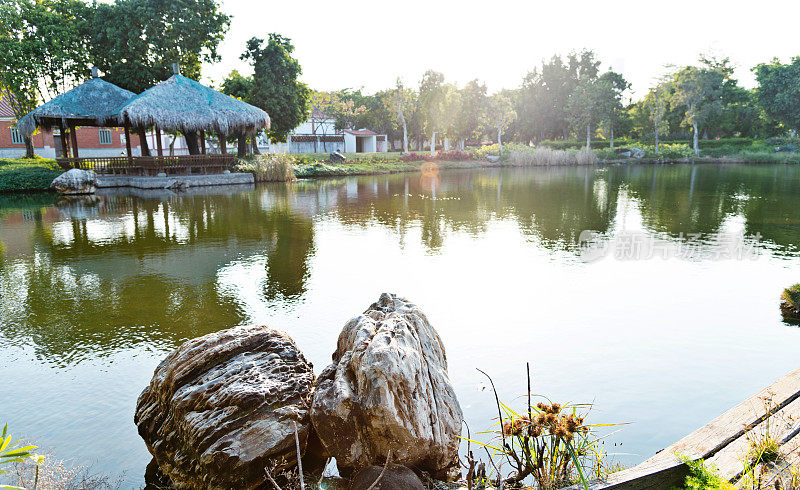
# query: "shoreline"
318,170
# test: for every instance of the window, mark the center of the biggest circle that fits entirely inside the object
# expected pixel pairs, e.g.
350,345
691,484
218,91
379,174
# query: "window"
105,136
16,138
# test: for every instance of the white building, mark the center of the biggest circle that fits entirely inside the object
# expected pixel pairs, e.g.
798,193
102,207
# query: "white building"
319,135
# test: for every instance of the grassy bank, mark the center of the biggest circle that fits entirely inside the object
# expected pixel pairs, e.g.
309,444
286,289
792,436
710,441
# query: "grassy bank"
27,175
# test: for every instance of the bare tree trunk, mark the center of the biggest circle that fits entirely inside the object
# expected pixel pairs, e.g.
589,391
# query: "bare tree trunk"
696,142
433,144
172,145
254,141
588,137
28,147
403,120
446,143
657,121
500,140
143,143
612,135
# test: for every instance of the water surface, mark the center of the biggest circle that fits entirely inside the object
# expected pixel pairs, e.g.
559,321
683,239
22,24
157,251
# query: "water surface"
668,319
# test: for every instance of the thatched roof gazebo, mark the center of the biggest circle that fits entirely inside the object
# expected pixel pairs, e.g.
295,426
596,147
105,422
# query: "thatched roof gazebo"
93,103
180,104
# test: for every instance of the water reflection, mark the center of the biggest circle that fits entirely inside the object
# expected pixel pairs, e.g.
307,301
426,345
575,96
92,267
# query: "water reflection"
94,291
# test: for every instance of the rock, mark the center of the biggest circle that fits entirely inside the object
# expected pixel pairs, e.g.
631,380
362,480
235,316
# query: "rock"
623,152
75,181
637,153
222,407
396,477
493,158
388,390
176,185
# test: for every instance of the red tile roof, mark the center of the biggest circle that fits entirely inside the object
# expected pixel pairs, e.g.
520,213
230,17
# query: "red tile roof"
360,132
5,108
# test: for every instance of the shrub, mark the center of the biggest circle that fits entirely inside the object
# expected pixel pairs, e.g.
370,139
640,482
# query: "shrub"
414,157
704,477
669,152
270,167
20,177
452,156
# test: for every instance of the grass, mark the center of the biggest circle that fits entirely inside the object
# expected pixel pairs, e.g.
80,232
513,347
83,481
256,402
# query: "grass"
704,476
271,167
25,175
321,169
534,157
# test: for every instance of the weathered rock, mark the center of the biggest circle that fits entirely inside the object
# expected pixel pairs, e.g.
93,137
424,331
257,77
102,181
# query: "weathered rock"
388,390
222,407
396,477
637,153
75,181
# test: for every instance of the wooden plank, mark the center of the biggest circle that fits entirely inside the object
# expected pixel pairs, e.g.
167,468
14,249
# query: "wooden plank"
709,439
783,425
665,468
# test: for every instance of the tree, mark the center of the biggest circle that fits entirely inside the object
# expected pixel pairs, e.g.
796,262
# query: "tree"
431,99
700,91
611,87
778,91
135,42
655,104
403,97
239,86
276,87
501,113
586,106
43,51
472,112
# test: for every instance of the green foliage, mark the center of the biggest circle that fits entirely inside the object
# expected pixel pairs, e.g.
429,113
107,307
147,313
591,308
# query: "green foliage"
791,296
271,167
19,177
135,42
13,452
778,91
703,477
276,87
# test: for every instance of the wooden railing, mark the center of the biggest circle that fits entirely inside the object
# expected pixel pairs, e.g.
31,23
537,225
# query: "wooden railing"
182,164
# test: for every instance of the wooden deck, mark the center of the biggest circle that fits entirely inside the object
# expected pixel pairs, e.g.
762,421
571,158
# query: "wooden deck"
726,441
154,165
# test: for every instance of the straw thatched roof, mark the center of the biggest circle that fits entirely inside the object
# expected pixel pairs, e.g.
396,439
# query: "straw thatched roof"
181,104
94,101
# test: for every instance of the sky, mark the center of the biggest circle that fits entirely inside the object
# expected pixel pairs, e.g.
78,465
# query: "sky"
352,44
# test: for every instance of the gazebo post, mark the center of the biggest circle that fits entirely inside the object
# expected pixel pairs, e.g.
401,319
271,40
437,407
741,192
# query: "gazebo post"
128,141
62,135
223,145
203,141
143,142
158,142
74,137
241,150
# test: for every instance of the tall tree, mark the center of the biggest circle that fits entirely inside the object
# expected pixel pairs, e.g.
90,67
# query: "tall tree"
402,99
586,106
778,91
699,90
276,87
500,113
43,51
432,99
472,112
655,103
611,87
135,42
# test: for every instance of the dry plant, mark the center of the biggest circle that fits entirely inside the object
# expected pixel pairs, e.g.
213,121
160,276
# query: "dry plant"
269,167
539,157
548,443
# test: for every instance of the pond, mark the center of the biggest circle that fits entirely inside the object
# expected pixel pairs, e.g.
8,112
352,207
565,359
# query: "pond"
650,291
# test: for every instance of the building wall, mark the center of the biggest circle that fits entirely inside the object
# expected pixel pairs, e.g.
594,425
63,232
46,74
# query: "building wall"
349,143
369,144
44,142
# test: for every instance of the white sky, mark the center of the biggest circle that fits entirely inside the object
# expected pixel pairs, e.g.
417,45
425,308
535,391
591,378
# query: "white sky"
369,44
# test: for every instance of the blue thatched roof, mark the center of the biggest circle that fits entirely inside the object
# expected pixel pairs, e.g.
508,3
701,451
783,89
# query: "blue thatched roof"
95,100
182,104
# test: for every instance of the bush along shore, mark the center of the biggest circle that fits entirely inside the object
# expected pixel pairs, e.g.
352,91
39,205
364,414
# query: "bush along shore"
27,175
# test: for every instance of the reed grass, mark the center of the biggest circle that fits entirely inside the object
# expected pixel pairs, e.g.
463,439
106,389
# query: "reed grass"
539,157
271,167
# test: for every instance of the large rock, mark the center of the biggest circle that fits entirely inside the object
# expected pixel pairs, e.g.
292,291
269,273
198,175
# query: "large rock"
222,407
393,477
75,181
388,390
